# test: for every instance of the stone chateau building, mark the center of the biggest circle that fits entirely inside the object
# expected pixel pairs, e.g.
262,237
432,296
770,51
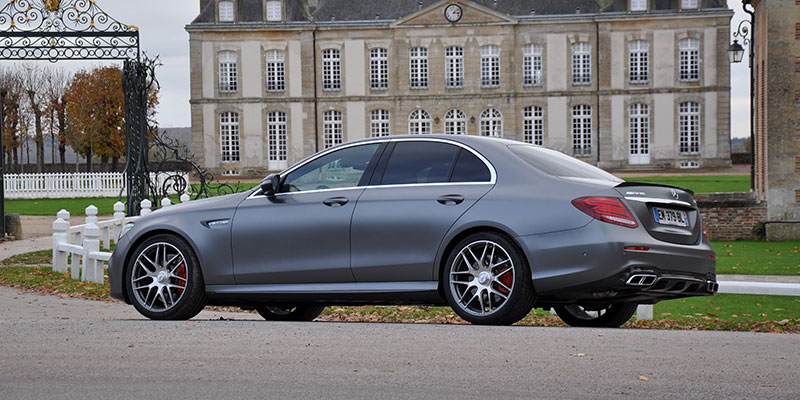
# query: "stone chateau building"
618,83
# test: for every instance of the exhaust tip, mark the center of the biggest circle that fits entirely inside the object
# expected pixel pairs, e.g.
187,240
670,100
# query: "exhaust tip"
641,280
713,287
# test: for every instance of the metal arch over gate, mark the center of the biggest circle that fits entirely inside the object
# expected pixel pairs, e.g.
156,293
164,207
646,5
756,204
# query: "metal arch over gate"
55,30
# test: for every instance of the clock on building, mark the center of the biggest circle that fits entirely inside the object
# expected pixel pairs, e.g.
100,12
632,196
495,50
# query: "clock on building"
453,12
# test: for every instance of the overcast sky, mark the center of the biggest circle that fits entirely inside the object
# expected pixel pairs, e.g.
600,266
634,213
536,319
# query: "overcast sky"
162,22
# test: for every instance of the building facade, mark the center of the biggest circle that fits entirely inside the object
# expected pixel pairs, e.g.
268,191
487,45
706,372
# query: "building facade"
617,83
777,118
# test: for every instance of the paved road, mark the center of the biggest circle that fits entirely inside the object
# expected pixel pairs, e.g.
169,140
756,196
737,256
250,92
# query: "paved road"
67,348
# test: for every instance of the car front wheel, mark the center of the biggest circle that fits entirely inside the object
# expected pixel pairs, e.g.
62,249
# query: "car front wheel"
610,316
286,313
487,280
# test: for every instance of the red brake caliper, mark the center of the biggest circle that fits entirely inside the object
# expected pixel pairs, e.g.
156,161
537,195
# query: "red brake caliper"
182,274
507,279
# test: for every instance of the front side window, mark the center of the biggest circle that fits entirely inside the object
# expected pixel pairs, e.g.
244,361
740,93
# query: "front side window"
490,66
639,125
639,61
454,67
379,69
419,123
332,128
229,136
532,65
420,162
274,11
581,63
276,136
455,122
276,71
225,11
689,126
379,123
582,130
331,69
533,125
418,68
492,123
228,72
689,59
335,170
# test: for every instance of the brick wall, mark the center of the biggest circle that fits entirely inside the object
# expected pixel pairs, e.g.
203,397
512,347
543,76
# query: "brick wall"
731,216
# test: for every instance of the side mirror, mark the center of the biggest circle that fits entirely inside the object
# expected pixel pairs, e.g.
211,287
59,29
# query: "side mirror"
270,184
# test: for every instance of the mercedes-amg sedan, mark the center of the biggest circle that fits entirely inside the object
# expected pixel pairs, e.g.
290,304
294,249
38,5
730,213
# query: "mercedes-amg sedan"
490,227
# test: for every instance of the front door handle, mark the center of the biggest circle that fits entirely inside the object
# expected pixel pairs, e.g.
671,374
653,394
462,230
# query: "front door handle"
335,201
450,199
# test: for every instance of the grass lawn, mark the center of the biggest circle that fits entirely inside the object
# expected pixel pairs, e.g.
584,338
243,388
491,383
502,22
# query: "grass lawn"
76,207
701,183
752,257
730,307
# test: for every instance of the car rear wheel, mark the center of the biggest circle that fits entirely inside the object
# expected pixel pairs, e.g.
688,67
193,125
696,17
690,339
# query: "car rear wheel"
290,313
487,280
164,279
611,316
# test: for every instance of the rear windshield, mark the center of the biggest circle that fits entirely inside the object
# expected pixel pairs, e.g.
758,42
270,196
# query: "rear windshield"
559,164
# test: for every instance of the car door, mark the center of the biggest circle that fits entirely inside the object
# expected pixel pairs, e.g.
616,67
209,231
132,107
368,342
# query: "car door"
419,190
302,233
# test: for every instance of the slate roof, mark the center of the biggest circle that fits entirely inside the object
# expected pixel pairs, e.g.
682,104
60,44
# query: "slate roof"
251,11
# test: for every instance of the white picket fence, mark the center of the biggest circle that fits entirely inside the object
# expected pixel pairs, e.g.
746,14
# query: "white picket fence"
72,185
88,263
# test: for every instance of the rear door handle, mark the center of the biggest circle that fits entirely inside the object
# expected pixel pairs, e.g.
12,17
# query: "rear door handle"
335,201
450,199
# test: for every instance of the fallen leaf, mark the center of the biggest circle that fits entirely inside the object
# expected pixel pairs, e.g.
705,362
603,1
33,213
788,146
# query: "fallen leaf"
580,355
643,378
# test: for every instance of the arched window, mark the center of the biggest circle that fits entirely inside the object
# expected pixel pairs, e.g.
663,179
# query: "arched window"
533,125
582,130
639,126
639,60
276,136
419,123
332,128
229,136
581,63
689,127
455,122
532,65
491,123
379,123
228,72
689,59
276,71
490,66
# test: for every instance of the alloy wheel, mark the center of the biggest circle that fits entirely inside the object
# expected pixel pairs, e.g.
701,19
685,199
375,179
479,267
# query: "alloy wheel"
482,278
159,277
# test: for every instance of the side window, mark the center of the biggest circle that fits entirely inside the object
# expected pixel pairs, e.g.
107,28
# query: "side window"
419,162
339,169
470,168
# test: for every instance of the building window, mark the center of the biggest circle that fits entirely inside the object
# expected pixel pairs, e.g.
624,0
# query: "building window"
419,123
225,11
331,69
455,122
688,4
581,63
582,130
491,123
639,51
379,69
532,65
229,136
332,128
418,68
379,123
638,5
533,125
276,71
228,72
689,59
454,67
274,11
689,114
490,66
639,125
276,135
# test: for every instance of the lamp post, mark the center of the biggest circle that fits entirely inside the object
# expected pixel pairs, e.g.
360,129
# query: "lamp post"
745,31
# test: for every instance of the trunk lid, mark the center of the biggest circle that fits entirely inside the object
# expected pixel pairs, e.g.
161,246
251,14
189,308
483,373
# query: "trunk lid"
668,213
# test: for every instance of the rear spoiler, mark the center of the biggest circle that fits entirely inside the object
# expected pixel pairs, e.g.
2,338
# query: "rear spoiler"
624,184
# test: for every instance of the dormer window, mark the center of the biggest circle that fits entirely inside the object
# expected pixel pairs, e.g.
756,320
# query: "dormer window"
638,5
689,4
274,11
225,11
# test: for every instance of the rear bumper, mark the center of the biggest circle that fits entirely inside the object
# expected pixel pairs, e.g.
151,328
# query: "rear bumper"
592,264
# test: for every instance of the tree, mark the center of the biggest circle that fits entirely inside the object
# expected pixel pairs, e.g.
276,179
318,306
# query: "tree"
57,81
10,80
33,81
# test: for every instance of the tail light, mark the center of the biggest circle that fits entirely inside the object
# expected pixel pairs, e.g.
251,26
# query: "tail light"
703,228
606,209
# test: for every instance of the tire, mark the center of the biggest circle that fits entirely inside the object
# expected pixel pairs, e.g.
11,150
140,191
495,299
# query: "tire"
612,316
487,280
284,313
164,280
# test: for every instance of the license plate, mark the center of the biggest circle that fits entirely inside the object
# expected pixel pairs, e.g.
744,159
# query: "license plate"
670,217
